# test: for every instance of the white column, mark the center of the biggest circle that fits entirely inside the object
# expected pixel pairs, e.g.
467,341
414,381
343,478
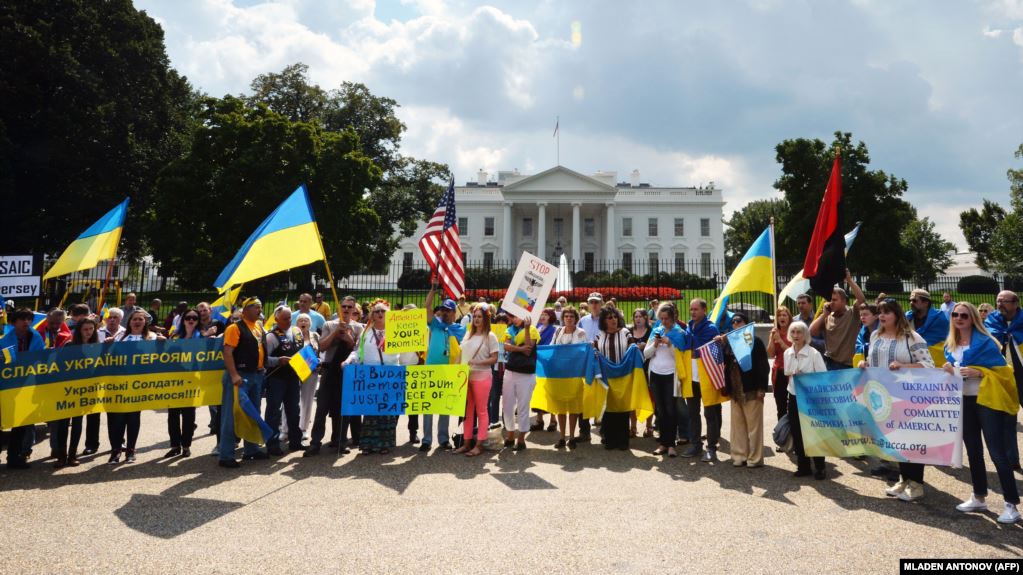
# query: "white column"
610,254
577,236
541,231
506,227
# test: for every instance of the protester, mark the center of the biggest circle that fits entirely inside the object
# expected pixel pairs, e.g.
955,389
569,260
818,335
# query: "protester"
154,316
337,341
479,352
590,323
868,324
928,322
947,303
112,324
123,428
55,332
305,305
663,354
990,404
321,307
613,340
1006,325
497,385
22,338
173,320
640,332
244,360
983,309
838,325
440,352
519,380
747,389
778,342
895,345
568,410
463,309
702,392
283,385
76,312
67,446
801,358
356,314
308,392
181,420
209,325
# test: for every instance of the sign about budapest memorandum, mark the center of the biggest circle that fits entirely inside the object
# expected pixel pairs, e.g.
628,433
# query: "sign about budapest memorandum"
52,384
401,390
911,415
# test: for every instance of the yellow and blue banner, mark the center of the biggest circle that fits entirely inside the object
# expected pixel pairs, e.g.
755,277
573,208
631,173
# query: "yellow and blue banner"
625,382
248,424
562,374
221,307
305,362
754,273
909,415
98,242
52,384
287,238
934,331
9,354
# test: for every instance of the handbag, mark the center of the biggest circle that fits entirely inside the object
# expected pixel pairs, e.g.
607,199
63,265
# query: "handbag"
783,434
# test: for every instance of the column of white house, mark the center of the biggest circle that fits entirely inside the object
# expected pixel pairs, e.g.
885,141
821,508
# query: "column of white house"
577,235
506,227
610,255
541,232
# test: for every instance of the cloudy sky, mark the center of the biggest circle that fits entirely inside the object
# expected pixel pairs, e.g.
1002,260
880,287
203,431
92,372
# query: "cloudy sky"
686,92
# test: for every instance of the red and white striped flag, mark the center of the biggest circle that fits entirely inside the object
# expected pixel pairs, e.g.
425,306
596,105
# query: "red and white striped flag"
441,248
713,359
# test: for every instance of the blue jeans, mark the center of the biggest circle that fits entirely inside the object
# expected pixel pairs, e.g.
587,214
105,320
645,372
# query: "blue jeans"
252,385
442,428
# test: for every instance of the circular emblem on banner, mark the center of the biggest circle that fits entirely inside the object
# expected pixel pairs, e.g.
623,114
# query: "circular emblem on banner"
877,400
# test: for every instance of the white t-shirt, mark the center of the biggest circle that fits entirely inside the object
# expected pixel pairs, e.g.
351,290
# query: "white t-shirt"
478,348
663,361
590,325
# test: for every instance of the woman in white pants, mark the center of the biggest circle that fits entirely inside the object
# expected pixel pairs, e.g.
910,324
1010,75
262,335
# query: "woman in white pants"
308,393
519,380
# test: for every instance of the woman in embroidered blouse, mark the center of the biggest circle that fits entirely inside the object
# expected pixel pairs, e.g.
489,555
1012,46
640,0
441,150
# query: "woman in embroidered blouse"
896,345
118,424
567,334
612,342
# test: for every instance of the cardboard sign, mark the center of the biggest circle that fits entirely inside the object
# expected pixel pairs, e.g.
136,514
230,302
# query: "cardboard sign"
405,331
530,287
19,276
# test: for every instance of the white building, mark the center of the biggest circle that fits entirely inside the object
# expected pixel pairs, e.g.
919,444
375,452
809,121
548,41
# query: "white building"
591,219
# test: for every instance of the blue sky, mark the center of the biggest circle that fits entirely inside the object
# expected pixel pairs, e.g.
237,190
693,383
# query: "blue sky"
686,92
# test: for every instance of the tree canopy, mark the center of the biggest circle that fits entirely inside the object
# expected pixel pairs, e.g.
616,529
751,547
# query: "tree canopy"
996,234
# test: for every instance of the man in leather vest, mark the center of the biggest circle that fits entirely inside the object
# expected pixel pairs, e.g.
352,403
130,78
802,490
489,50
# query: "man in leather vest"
283,384
244,354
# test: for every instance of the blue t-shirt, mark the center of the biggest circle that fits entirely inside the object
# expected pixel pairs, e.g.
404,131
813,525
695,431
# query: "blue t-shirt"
316,319
438,350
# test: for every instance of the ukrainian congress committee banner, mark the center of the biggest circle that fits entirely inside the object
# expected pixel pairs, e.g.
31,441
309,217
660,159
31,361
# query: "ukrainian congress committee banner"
910,415
48,385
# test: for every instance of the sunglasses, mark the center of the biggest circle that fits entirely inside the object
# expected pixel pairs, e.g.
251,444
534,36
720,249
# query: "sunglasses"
191,318
957,315
1006,301
380,311
348,307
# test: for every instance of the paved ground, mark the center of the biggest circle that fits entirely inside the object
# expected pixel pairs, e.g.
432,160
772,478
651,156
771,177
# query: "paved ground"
539,511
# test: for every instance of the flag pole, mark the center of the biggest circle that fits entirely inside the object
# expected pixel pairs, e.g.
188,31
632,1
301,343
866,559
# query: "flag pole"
774,271
330,278
106,284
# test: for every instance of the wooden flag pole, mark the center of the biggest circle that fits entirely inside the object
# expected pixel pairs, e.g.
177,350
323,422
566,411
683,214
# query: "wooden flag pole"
333,290
774,271
106,284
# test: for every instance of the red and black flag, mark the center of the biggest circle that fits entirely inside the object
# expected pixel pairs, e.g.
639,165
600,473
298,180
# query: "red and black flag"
825,258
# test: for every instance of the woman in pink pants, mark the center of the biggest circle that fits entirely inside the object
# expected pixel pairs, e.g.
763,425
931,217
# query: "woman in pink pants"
479,352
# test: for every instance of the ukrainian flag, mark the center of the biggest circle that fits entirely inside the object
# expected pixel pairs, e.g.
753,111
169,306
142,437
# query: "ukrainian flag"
304,362
626,385
997,384
755,272
248,425
287,239
99,242
561,372
9,354
934,331
221,307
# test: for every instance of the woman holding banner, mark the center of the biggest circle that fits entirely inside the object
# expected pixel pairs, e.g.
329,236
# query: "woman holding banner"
568,411
640,331
67,447
131,422
896,345
181,420
613,340
990,402
479,352
801,358
519,380
378,431
546,325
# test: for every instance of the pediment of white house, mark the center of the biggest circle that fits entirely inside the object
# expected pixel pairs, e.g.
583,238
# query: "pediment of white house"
559,182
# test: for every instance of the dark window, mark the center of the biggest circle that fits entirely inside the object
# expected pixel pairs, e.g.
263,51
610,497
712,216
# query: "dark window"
627,227
651,227
559,227
680,227
705,227
463,226
705,264
680,263
589,227
627,261
588,262
406,259
488,226
527,227
653,262
488,260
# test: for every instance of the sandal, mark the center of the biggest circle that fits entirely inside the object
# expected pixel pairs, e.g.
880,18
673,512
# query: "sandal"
661,450
478,450
461,449
648,432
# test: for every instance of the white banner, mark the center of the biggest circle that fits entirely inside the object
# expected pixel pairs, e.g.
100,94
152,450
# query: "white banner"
530,287
16,266
25,286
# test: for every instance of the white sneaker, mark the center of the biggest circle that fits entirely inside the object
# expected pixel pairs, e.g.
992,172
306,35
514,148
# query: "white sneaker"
1010,515
897,489
972,505
912,492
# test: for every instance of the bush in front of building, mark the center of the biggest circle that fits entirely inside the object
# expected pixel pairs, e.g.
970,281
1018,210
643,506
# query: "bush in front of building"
977,285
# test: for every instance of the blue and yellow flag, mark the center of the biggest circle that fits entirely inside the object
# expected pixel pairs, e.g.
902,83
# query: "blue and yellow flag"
98,242
562,372
755,272
9,353
221,307
997,384
934,331
248,425
626,385
304,362
287,239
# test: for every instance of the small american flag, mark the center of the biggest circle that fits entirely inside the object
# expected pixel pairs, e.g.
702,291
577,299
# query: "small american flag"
713,363
441,248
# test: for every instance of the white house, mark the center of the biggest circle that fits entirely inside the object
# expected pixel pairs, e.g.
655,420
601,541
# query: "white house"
588,218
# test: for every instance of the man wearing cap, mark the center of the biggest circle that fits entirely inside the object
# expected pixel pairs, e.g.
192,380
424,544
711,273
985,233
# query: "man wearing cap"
244,354
1006,325
931,324
439,352
839,325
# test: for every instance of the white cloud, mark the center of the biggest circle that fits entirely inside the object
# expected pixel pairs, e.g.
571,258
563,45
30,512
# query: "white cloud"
1017,36
991,32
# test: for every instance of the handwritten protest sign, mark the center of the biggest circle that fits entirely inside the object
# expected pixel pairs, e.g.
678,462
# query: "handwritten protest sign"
910,415
54,384
400,390
405,331
530,287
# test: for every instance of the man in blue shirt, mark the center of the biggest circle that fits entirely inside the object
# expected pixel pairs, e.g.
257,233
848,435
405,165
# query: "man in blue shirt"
1006,325
316,319
438,352
703,331
22,338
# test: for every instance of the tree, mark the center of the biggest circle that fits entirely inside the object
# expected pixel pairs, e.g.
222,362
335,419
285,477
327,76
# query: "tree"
288,93
90,110
929,253
978,229
870,196
748,223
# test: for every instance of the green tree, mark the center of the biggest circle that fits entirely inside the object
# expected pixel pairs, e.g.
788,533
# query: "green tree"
869,196
244,160
978,229
747,224
90,110
929,253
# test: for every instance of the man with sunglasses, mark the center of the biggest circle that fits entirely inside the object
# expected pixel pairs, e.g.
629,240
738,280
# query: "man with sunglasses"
1006,325
438,352
337,340
930,323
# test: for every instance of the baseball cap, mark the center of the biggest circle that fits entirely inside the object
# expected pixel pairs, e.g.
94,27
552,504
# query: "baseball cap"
448,304
595,296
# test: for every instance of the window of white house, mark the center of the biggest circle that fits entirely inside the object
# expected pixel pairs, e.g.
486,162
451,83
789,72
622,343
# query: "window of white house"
527,227
588,261
651,227
705,227
627,261
680,227
705,264
488,226
463,226
589,227
627,227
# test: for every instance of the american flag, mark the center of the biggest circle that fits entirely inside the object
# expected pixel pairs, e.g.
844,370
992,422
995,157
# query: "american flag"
713,363
441,248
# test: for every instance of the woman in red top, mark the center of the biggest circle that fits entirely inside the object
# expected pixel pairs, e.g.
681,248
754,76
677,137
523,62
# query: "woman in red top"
778,343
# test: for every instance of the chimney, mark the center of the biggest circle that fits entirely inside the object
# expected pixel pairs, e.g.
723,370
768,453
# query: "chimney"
481,177
635,178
